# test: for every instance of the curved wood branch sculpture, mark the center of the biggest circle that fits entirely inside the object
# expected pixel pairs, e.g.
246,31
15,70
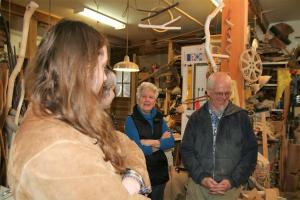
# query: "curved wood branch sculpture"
21,100
30,8
207,36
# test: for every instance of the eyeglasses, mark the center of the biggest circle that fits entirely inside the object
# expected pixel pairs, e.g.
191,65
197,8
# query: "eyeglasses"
221,94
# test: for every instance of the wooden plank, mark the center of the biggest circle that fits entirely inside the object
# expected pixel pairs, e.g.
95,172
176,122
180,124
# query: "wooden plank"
251,195
283,159
264,136
271,194
286,103
284,141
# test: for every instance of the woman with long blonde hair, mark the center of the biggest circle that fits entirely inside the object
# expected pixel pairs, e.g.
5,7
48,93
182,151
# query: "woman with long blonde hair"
65,147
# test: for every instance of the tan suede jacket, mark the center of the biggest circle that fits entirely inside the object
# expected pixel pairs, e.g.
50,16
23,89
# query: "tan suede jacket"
50,160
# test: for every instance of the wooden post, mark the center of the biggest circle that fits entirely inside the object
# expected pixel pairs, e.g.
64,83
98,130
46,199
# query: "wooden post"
282,160
168,93
133,85
170,51
236,11
286,103
264,136
284,140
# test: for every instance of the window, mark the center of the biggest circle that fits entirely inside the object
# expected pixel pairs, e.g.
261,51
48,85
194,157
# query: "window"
123,84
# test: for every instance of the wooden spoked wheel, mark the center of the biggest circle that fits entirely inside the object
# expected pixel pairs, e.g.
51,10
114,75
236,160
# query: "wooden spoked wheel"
250,65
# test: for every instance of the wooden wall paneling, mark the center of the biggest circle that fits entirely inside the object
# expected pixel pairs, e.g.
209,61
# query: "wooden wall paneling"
17,10
121,109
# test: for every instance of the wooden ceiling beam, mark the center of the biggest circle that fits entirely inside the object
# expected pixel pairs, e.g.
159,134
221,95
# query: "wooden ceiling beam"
258,11
17,10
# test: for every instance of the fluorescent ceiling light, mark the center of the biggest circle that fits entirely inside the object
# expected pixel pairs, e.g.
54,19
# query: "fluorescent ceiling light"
102,18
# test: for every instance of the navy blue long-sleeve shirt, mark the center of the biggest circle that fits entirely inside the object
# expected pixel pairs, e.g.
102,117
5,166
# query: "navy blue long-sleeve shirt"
132,132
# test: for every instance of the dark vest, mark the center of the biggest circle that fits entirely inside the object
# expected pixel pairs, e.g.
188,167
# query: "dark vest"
157,163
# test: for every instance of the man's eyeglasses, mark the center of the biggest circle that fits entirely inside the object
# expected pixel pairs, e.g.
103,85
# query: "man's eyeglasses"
221,94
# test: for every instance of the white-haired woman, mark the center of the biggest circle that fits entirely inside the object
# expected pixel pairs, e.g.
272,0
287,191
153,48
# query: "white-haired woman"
148,129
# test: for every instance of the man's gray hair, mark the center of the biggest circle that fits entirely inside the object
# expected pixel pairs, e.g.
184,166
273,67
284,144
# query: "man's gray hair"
146,85
109,83
217,75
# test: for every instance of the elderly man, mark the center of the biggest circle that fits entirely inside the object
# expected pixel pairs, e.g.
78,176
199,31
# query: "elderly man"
219,148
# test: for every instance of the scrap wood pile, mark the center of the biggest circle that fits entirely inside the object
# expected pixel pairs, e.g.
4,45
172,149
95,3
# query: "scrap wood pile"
261,175
269,53
258,187
267,194
260,182
272,128
274,46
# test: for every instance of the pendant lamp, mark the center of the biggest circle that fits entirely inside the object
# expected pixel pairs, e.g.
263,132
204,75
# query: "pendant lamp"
126,65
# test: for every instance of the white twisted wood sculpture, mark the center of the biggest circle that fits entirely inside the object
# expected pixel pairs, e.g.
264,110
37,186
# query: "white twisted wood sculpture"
207,36
30,8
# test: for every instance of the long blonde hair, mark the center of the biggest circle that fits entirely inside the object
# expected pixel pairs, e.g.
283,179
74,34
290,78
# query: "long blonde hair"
59,83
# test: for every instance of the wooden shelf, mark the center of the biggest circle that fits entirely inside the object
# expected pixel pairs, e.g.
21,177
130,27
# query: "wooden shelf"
275,63
270,85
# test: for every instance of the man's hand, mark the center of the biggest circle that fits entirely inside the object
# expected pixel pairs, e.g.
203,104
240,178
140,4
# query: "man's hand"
221,187
208,182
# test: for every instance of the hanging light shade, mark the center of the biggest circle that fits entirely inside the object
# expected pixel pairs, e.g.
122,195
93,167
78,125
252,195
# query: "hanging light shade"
126,65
